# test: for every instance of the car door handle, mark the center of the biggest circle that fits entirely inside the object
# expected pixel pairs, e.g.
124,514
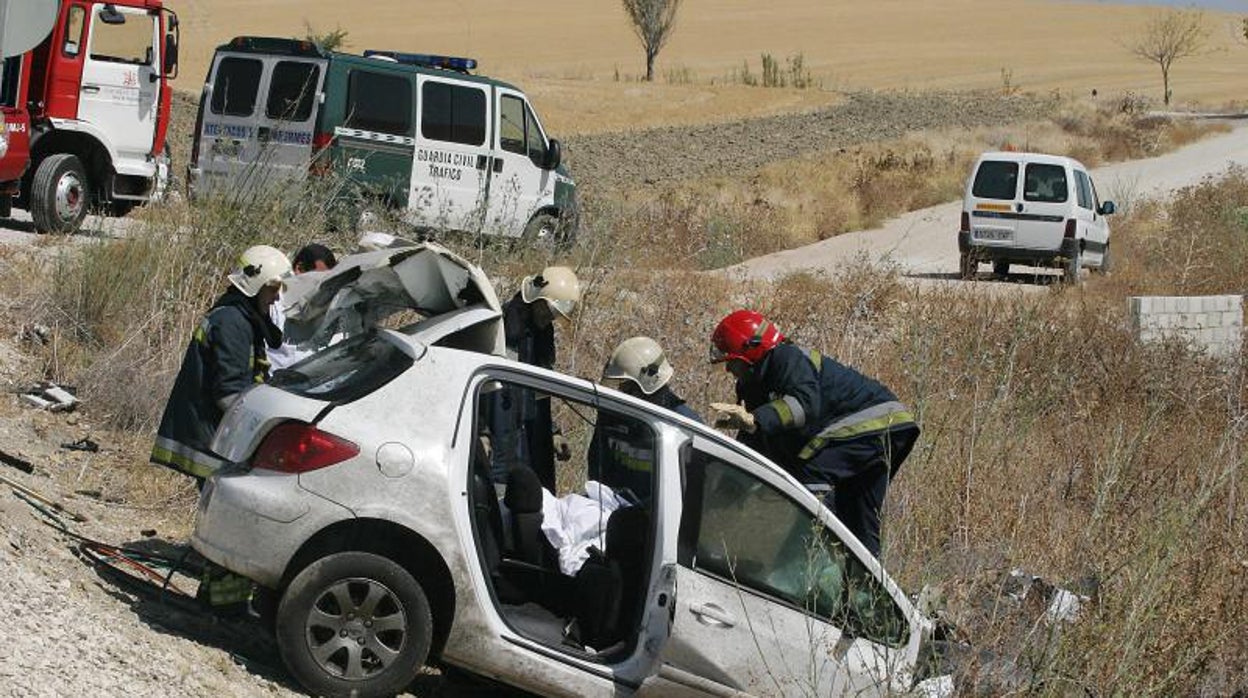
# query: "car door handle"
91,89
713,615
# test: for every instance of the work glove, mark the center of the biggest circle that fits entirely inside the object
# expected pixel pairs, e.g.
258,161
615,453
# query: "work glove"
563,451
730,416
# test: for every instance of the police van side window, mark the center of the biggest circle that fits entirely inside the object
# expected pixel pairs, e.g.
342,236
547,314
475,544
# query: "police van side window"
537,143
1083,190
511,125
291,90
235,87
379,102
452,113
995,179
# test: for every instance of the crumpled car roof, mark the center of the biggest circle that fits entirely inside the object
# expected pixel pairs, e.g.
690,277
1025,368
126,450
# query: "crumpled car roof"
366,288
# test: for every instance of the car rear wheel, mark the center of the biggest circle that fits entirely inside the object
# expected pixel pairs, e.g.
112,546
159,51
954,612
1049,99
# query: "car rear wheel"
968,266
59,194
543,231
1074,264
354,624
1001,268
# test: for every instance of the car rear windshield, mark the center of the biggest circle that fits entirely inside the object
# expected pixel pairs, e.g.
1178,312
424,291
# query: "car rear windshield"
346,371
996,179
1045,183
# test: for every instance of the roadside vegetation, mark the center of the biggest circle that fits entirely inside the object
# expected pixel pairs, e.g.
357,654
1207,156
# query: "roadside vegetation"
1053,442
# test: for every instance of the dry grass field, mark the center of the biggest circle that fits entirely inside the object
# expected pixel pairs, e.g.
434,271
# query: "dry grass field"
569,53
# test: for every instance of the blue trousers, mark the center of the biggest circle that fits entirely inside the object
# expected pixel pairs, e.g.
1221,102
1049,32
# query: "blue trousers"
858,471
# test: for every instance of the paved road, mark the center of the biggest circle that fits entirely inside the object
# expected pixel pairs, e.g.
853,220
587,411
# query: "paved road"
924,243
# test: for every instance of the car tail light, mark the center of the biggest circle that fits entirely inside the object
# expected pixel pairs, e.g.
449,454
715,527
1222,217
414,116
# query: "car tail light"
966,223
1070,228
295,447
320,158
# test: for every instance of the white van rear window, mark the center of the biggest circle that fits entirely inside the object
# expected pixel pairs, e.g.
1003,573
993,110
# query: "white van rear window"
1045,183
235,86
996,179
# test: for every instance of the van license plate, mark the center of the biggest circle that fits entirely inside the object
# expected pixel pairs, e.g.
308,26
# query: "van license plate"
994,234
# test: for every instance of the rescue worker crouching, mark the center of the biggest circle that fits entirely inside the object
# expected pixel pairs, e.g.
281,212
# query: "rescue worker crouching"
825,423
521,427
618,457
227,354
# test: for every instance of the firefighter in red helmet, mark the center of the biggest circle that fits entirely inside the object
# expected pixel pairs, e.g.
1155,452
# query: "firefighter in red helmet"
827,424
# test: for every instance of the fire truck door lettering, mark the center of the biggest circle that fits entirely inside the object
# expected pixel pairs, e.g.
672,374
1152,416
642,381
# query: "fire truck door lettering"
230,131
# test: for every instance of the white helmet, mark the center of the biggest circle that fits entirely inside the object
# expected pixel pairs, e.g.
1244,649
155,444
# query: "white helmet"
258,267
640,360
558,286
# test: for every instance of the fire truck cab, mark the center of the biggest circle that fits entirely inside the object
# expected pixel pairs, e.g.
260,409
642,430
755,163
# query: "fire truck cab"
85,113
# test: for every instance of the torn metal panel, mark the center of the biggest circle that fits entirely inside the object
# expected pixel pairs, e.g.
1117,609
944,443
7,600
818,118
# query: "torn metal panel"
366,288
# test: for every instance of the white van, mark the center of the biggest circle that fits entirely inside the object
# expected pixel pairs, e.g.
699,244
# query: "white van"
1033,209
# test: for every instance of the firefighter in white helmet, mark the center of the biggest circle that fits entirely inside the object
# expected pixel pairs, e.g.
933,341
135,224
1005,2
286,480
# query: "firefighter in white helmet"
521,428
621,451
226,355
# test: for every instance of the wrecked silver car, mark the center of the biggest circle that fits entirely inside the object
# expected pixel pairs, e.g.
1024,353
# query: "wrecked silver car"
361,497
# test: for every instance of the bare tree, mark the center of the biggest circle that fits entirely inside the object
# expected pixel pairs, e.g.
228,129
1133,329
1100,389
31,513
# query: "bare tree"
1168,37
652,23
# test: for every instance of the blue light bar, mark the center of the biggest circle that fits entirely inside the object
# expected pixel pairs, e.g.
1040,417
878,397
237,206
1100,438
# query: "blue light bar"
426,60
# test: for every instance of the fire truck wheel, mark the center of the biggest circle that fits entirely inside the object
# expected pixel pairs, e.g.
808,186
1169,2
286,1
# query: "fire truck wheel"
59,194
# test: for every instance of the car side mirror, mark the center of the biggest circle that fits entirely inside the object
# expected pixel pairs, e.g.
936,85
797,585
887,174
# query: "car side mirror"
110,15
1107,209
554,155
171,56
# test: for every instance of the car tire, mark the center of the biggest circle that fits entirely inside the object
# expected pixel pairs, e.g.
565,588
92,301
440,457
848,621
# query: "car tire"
60,193
543,231
968,266
1001,269
354,624
1073,266
1106,264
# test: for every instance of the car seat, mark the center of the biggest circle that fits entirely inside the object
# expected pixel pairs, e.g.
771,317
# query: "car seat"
611,586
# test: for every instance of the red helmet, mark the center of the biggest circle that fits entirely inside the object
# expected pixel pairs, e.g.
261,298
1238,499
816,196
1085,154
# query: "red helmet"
744,335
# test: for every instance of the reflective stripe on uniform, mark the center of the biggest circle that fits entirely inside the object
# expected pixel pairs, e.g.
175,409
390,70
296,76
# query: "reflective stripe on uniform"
790,412
877,418
184,458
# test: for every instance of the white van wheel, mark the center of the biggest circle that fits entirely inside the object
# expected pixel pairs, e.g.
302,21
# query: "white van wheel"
1105,264
968,266
1001,269
1074,264
542,231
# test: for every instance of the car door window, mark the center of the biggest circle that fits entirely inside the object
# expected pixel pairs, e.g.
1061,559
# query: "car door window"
1083,190
536,141
235,87
11,68
742,530
291,90
511,125
130,42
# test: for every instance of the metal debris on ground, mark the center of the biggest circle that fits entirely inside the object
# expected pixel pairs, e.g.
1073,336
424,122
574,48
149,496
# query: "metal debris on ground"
50,396
27,493
20,463
83,444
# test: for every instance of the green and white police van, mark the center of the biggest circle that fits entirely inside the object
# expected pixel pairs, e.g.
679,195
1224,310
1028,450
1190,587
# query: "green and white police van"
419,133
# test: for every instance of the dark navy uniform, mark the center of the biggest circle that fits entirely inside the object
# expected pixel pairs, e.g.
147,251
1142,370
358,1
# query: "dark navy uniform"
622,451
226,356
520,424
829,425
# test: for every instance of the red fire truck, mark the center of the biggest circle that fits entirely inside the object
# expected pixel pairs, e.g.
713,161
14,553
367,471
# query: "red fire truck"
85,113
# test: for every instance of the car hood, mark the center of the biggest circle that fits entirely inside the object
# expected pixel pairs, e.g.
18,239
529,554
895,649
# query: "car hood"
447,292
